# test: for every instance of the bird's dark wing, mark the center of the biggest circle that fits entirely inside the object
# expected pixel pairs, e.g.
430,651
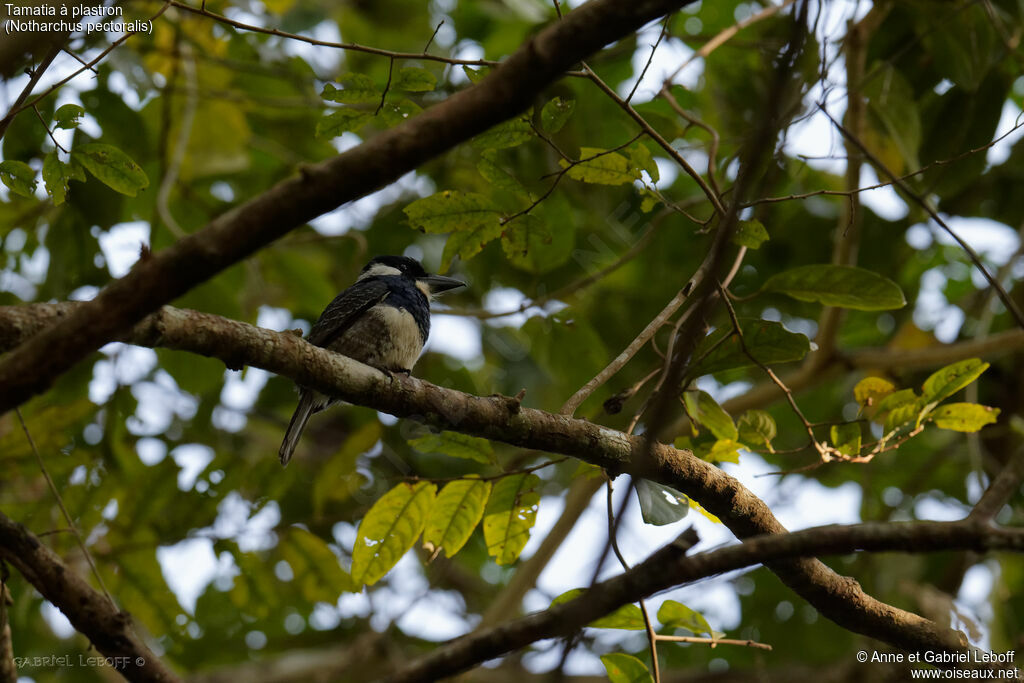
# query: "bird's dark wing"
346,309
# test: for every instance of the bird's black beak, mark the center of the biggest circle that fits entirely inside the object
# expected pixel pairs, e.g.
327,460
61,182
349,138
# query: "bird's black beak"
440,283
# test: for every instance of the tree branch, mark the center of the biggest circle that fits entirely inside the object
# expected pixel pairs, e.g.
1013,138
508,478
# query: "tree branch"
510,89
8,669
503,419
883,358
671,567
1001,490
88,610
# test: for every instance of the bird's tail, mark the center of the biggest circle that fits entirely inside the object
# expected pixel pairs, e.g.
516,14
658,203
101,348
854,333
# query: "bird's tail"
295,427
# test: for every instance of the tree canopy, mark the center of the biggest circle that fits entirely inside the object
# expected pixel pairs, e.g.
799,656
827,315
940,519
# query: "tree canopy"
736,270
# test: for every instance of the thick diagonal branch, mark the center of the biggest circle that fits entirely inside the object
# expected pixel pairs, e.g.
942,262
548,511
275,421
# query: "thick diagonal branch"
88,610
670,567
503,419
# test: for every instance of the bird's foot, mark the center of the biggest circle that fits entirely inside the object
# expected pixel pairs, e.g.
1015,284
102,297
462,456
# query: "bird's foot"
391,372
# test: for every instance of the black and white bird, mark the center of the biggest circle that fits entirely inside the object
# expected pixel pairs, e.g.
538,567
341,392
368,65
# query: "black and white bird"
382,320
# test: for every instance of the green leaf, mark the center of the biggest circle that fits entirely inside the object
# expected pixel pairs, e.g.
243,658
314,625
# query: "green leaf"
526,242
897,409
473,220
476,75
642,159
694,505
660,504
623,668
601,167
757,428
751,234
964,417
769,342
414,79
870,391
509,133
962,42
947,381
844,286
453,211
19,177
67,116
627,617
677,615
456,512
649,201
340,121
356,89
77,170
846,438
56,175
389,529
468,243
706,412
588,471
723,450
394,113
895,400
894,122
555,113
112,167
315,566
496,175
510,513
455,445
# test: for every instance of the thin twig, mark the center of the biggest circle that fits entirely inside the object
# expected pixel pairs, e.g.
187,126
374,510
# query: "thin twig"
569,407
48,131
714,642
670,350
925,204
34,77
353,47
825,451
652,637
433,35
723,36
667,95
558,175
650,58
657,137
87,67
80,60
63,508
387,86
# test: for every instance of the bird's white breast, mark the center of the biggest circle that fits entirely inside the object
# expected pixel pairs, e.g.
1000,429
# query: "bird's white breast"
405,335
385,337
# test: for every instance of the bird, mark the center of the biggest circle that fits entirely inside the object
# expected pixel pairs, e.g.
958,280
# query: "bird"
382,320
